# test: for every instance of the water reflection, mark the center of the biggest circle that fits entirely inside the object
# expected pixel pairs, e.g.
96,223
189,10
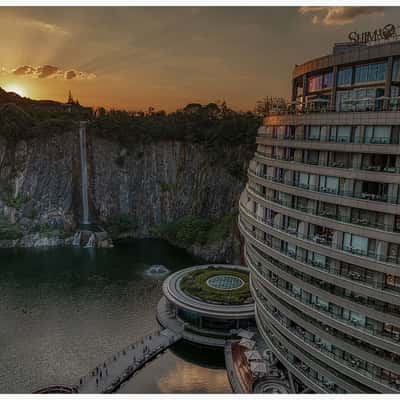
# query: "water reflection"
65,310
179,370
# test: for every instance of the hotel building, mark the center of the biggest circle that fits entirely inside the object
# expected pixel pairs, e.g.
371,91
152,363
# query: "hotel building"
320,216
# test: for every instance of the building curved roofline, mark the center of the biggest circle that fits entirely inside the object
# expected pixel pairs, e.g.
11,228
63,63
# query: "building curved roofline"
174,294
353,56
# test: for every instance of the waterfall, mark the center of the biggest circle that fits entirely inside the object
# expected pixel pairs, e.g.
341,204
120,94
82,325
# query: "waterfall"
92,241
77,239
84,174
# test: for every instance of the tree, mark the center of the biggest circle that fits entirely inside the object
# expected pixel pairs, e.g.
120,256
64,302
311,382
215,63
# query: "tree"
192,108
264,106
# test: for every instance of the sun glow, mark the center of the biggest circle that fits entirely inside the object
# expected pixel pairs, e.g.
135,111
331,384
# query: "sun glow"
13,87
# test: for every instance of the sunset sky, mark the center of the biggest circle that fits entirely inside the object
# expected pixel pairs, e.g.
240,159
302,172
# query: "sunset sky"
133,58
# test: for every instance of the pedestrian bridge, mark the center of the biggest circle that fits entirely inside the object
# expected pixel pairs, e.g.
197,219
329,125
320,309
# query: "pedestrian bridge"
108,377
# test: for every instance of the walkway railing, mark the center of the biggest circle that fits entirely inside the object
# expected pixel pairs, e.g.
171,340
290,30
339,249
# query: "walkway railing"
109,375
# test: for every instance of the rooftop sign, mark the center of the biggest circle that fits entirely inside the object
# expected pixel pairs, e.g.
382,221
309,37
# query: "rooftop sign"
385,33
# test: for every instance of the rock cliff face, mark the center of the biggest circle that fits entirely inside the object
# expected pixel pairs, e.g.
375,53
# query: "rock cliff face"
151,184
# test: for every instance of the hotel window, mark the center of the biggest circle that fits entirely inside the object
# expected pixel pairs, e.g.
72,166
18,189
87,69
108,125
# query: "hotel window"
340,134
355,244
377,134
291,224
394,253
301,203
314,132
370,73
303,179
290,249
329,184
345,76
359,99
299,132
396,70
269,130
320,303
296,290
319,82
327,80
393,281
316,259
311,157
280,131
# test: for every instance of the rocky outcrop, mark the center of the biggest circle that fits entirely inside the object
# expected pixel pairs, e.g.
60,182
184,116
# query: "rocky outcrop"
150,184
162,182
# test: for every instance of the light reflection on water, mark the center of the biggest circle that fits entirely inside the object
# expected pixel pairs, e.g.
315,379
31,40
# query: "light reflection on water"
63,311
185,368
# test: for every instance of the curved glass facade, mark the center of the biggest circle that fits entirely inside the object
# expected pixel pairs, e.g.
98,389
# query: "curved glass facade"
320,217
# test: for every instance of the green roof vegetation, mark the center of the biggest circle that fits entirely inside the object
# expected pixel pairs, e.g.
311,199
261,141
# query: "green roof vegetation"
195,285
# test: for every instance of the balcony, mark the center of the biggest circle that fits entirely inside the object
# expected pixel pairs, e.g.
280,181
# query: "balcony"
393,336
365,350
378,197
296,363
329,267
326,213
332,289
323,106
349,360
322,239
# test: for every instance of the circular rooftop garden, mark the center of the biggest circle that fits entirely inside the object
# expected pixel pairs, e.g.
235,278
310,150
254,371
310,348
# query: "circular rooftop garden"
218,285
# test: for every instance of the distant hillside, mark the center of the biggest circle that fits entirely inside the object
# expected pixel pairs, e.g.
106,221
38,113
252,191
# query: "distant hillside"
11,97
21,117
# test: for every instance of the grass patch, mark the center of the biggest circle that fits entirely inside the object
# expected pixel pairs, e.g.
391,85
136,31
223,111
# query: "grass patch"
195,285
167,187
9,231
119,224
17,202
46,229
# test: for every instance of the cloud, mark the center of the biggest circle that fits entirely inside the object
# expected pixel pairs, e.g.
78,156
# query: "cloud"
43,26
23,70
48,72
74,74
339,15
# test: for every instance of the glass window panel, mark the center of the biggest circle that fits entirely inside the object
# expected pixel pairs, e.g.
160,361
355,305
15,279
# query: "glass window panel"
344,133
396,70
303,178
314,132
382,133
319,258
369,131
328,80
345,76
359,243
370,72
332,183
347,241
322,182
281,130
332,133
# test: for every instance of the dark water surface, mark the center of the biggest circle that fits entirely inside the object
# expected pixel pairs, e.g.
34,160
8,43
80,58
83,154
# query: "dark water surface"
63,311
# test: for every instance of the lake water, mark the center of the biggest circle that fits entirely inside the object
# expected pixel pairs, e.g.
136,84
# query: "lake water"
65,310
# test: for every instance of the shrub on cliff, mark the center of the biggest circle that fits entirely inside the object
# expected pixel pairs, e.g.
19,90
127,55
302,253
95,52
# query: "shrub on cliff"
119,224
9,231
14,122
194,230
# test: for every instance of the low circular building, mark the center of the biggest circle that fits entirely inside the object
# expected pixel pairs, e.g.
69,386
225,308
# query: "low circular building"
207,303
